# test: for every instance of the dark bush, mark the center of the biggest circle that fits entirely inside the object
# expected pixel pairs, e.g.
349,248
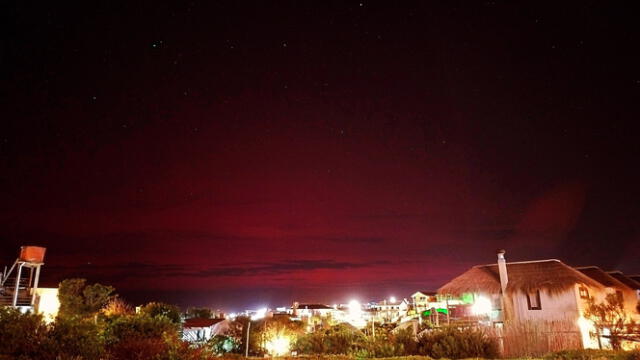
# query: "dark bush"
159,309
339,339
73,339
139,326
21,335
389,344
138,348
455,343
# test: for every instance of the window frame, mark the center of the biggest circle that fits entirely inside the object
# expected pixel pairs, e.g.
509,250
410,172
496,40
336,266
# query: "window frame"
539,304
583,292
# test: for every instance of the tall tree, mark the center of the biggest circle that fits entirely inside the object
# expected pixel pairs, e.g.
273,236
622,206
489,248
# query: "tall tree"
612,316
77,299
159,309
196,312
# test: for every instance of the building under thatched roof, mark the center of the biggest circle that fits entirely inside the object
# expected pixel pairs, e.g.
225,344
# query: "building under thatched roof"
601,276
635,285
634,277
551,275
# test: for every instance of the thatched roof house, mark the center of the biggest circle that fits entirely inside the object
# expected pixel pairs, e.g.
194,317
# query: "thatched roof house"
551,275
602,277
630,282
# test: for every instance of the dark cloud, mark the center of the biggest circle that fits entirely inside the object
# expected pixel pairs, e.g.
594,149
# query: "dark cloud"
141,271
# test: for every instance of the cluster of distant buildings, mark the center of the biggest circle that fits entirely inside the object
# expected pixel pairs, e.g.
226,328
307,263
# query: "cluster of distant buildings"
549,293
387,311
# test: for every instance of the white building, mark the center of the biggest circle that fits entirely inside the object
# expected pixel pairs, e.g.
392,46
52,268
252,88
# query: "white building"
197,330
391,310
544,292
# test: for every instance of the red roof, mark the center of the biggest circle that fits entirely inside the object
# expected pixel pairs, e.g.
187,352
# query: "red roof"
200,322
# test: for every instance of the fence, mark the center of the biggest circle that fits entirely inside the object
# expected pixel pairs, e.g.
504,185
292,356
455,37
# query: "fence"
536,337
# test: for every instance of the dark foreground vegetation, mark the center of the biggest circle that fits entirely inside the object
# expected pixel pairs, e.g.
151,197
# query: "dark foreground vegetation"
95,324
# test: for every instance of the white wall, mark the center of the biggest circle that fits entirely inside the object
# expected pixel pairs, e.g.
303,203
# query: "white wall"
553,307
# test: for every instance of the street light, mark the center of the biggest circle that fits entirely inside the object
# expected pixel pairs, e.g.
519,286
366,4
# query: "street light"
482,306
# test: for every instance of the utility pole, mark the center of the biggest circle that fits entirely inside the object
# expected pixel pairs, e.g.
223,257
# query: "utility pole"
448,316
246,350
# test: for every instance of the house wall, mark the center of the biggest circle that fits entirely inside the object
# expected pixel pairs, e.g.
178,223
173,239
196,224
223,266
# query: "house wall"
197,334
47,303
553,307
557,323
420,301
599,296
629,296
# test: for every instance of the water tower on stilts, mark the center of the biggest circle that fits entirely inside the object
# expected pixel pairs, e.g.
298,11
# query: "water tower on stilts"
19,284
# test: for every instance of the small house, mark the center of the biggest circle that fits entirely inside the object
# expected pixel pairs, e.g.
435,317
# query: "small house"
197,330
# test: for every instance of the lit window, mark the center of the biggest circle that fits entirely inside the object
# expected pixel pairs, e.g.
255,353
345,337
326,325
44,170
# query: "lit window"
533,300
584,292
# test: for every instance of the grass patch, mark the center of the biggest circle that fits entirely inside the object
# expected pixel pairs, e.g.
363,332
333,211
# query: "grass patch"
591,354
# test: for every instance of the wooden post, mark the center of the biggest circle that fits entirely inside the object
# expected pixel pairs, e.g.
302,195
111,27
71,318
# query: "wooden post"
448,316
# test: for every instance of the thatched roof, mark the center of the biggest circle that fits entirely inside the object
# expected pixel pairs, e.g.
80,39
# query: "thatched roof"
634,284
634,277
551,275
602,277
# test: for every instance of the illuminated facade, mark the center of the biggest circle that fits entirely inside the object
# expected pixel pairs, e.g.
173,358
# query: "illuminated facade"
546,292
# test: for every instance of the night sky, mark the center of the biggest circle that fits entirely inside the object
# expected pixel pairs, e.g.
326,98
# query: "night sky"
239,154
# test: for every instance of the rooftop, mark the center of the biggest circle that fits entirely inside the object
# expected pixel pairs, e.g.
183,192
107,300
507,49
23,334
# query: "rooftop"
618,275
552,275
200,322
314,306
601,276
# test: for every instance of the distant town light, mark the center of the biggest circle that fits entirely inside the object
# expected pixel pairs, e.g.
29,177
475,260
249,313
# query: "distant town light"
482,306
355,309
260,314
278,346
392,299
355,315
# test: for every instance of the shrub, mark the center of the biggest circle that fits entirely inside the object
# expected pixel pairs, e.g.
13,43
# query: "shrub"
117,306
140,326
339,339
21,335
77,299
138,349
455,343
389,344
158,309
220,344
406,340
73,339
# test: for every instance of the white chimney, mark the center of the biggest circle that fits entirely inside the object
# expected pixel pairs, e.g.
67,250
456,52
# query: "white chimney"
502,269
